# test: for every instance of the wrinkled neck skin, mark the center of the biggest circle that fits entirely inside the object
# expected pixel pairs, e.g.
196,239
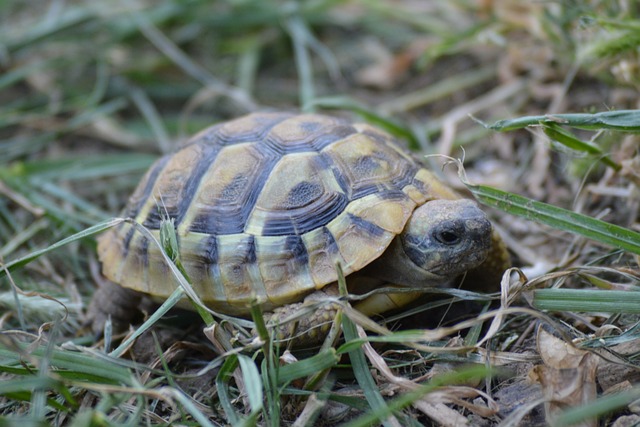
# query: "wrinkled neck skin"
395,268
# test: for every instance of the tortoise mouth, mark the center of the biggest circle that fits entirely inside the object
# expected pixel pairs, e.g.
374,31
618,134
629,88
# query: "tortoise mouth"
450,270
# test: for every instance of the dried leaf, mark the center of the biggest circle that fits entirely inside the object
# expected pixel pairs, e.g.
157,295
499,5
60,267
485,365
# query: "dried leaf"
567,376
556,353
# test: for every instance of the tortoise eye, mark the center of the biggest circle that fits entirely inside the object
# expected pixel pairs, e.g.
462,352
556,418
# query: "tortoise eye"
447,237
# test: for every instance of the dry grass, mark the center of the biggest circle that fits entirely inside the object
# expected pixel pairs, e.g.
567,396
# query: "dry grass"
92,92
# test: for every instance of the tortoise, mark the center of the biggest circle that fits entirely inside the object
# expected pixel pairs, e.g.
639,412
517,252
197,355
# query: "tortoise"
266,205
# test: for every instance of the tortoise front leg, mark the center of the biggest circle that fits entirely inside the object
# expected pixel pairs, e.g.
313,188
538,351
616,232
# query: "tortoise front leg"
307,322
310,322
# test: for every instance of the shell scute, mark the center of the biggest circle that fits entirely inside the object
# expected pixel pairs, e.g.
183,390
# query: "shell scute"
359,241
172,191
239,270
300,195
284,268
228,190
369,166
307,132
322,253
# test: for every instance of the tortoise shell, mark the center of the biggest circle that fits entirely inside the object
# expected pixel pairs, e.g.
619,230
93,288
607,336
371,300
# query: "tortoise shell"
266,205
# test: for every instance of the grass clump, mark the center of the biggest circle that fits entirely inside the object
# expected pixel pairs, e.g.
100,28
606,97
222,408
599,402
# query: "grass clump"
92,93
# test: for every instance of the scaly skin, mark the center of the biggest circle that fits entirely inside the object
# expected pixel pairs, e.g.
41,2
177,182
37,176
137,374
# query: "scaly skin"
313,324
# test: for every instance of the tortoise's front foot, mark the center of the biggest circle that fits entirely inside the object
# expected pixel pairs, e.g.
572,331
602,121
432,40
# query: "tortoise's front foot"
306,323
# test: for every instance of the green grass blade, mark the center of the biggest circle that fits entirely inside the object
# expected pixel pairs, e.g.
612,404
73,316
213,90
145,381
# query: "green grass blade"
361,367
569,140
297,31
52,208
167,305
623,120
587,300
21,262
27,384
252,382
601,406
68,364
187,403
559,218
346,103
20,73
70,18
23,236
269,371
59,192
91,115
317,363
631,334
80,168
260,325
363,375
222,385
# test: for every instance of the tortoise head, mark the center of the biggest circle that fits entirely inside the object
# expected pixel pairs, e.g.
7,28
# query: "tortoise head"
447,237
441,240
